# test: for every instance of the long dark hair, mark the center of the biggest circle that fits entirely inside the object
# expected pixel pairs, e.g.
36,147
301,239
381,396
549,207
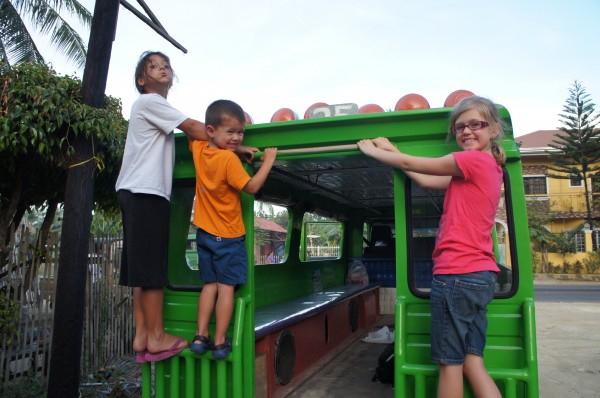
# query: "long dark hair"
140,69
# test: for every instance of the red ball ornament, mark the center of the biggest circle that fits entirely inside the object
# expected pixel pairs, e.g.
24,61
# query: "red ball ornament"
370,108
455,97
248,118
283,115
313,106
411,102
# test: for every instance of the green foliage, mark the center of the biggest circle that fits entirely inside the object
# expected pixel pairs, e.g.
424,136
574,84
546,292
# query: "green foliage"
40,110
538,216
9,317
577,147
40,114
24,387
107,222
562,243
592,262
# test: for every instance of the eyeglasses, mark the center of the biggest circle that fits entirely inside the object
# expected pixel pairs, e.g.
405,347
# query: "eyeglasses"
473,125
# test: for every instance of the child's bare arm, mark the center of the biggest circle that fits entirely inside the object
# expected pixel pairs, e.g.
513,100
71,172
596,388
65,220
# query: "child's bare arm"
246,153
194,129
428,173
257,181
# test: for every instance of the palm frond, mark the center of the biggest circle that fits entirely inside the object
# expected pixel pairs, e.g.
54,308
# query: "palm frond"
17,44
70,44
46,18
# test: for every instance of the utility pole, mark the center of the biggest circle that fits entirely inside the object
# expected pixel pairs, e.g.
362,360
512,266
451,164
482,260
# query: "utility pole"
65,363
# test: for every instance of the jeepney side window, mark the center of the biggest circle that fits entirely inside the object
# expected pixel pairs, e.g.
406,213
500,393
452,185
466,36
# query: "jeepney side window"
321,238
425,213
270,233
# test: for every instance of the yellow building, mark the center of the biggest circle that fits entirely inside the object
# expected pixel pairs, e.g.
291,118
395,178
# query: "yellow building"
566,197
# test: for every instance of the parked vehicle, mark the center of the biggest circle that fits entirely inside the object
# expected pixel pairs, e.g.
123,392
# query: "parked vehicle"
292,314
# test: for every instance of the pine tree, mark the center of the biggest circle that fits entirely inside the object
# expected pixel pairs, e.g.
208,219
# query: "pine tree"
577,147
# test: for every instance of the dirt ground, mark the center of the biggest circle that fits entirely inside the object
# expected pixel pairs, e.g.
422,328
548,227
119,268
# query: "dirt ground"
568,341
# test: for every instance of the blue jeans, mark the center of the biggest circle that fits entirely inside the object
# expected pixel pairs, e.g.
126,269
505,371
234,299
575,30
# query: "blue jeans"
459,315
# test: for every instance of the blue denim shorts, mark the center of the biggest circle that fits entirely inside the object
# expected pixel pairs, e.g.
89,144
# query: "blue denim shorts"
459,315
222,260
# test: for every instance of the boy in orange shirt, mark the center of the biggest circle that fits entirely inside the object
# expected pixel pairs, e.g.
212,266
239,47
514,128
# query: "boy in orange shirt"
220,238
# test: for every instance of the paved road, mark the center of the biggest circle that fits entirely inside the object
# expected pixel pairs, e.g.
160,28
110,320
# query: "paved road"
568,339
567,292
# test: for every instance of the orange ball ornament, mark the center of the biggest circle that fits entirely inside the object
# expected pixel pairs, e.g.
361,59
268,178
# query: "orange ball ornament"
455,97
313,106
411,102
370,108
283,115
248,118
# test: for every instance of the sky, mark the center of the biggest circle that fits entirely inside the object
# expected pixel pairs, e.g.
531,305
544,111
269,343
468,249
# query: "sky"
270,54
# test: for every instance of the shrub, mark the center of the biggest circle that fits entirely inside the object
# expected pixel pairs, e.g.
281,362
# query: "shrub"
9,316
592,262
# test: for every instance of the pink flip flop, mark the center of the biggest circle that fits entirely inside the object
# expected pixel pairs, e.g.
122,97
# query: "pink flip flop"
140,357
162,355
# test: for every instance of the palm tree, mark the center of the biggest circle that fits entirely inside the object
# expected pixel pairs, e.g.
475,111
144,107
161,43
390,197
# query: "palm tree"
16,43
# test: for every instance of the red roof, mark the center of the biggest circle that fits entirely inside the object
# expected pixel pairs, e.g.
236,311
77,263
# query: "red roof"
537,139
268,225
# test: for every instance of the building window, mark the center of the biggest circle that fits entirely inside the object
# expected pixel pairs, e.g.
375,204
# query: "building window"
535,185
596,240
579,242
576,181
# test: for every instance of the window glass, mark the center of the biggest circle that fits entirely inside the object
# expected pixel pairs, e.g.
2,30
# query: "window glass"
535,185
596,240
270,233
579,242
575,180
321,238
426,211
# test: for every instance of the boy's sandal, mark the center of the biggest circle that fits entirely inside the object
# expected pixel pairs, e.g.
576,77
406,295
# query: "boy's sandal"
221,351
203,345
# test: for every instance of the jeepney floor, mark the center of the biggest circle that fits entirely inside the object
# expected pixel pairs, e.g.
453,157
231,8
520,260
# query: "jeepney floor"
349,374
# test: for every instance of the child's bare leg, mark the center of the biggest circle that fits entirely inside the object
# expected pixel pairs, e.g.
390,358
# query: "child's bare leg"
451,381
479,379
206,304
141,336
152,306
224,310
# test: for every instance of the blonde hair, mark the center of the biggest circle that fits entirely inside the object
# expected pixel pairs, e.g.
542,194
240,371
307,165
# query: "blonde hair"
488,110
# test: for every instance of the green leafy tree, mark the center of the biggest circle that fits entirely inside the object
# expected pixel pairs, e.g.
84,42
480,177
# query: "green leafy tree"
563,243
46,17
577,147
39,113
538,216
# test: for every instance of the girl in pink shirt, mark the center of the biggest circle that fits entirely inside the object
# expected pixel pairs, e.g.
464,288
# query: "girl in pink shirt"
465,270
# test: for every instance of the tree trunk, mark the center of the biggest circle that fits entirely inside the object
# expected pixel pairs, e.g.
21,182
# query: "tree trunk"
7,212
47,223
63,380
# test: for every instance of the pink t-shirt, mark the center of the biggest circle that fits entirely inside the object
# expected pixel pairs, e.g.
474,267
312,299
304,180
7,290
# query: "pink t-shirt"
464,238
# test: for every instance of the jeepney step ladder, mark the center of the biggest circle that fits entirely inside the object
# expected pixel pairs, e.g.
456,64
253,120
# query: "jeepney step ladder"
190,375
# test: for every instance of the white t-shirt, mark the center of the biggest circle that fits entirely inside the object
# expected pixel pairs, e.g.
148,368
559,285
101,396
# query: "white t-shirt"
149,156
